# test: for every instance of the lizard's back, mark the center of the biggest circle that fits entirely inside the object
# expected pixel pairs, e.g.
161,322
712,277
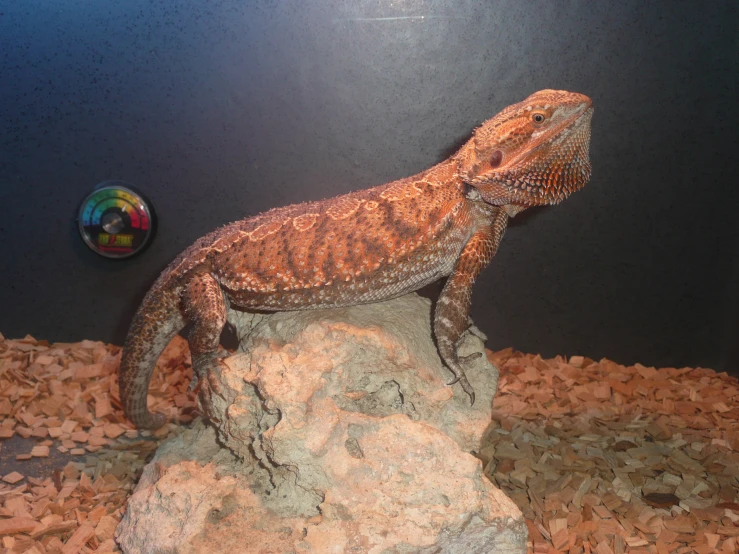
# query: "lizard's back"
364,246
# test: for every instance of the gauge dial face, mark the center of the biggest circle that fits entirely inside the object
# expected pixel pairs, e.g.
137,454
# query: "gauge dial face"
116,221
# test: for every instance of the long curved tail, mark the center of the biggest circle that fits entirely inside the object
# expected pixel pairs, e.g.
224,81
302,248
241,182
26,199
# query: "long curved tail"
155,324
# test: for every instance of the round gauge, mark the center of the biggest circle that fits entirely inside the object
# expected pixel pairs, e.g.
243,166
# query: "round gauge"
116,220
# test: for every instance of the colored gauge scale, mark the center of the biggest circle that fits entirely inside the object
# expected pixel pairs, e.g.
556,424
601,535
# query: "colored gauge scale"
116,220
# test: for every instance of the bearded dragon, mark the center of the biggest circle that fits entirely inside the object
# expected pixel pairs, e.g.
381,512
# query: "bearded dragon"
369,245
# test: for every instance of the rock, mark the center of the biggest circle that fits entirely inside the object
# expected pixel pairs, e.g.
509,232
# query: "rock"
340,435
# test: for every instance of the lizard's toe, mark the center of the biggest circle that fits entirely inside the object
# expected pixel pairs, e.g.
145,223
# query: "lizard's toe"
466,387
470,357
194,384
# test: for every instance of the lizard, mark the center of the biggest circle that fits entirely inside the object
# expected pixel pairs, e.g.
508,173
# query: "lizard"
368,245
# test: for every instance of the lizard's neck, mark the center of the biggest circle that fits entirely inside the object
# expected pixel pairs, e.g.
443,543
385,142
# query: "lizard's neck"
493,193
443,174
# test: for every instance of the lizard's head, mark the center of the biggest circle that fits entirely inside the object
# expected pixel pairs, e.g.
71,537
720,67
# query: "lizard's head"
532,153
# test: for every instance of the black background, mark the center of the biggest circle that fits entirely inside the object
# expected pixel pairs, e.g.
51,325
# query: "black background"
222,109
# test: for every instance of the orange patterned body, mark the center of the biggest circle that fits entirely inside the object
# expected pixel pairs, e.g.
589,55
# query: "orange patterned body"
369,245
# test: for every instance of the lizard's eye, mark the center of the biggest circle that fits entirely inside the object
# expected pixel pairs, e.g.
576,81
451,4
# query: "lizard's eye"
496,159
538,117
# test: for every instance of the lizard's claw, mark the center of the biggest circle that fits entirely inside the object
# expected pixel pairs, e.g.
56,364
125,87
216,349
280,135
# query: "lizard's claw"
461,378
203,365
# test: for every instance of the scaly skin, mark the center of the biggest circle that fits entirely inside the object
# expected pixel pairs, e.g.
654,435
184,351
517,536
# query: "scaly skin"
369,245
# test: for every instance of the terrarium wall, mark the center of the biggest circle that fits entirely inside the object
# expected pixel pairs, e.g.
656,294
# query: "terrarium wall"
220,110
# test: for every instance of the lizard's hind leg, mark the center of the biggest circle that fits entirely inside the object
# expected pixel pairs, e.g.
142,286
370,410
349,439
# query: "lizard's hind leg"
205,307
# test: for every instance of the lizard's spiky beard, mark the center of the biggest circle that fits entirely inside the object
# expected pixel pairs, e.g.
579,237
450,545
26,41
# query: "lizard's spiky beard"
554,169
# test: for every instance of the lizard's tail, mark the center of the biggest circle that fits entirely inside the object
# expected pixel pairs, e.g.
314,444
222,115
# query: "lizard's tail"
155,324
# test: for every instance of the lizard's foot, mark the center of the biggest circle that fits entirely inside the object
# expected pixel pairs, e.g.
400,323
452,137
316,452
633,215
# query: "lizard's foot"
194,383
459,375
466,387
203,365
461,378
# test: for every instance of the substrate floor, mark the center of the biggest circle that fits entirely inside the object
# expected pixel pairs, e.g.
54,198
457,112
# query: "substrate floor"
599,457
611,459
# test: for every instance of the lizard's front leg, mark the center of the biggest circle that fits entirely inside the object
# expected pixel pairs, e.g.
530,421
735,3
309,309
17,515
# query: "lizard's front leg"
451,318
204,307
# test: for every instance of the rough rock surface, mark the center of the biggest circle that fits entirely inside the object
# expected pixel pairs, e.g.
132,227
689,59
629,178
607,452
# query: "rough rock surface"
340,436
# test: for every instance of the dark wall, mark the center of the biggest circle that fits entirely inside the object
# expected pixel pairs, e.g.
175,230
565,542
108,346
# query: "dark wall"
219,110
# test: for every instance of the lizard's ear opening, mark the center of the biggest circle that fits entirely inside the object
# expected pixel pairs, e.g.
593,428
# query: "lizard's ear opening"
477,164
477,168
496,158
